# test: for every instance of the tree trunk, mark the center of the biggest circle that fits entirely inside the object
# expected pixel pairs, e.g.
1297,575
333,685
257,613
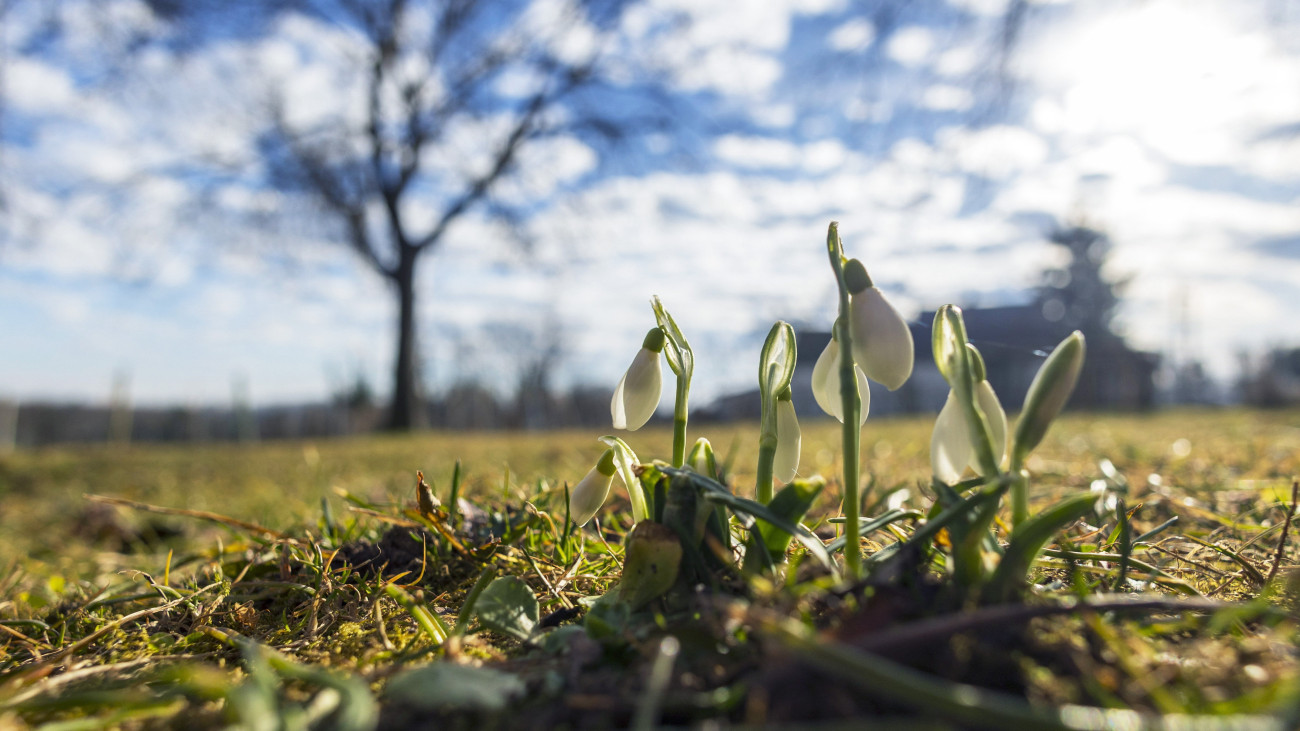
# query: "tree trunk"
407,411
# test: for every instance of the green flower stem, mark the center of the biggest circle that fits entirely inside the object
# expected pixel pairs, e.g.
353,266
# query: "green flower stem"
766,456
851,436
679,420
682,362
767,442
1019,496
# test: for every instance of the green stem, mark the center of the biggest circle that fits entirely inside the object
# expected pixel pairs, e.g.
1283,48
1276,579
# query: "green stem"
852,401
1019,497
766,456
679,420
851,438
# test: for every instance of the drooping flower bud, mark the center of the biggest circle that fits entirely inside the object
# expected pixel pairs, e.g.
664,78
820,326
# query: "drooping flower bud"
882,341
589,494
951,449
826,383
637,395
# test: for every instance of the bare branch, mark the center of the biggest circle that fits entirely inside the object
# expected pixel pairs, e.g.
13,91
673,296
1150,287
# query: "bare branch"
480,187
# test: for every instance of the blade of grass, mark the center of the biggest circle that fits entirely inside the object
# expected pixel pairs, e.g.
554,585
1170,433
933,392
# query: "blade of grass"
1028,539
467,609
428,622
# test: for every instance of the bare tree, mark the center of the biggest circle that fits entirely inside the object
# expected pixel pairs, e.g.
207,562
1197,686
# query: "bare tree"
427,70
436,105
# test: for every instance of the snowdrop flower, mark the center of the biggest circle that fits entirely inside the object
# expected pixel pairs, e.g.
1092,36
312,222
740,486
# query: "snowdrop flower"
951,450
588,495
826,382
882,342
637,395
786,463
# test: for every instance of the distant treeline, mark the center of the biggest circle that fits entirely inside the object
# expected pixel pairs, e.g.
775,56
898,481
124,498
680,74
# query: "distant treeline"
467,406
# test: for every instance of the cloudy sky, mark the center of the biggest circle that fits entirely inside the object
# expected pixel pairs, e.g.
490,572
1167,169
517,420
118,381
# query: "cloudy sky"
1172,124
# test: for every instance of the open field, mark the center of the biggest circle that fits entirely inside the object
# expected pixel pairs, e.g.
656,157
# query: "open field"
72,567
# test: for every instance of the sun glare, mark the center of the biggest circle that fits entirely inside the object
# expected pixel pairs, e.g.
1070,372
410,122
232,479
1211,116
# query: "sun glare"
1175,76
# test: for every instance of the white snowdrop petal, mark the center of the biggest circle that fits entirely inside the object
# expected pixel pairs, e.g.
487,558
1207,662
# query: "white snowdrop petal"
826,381
588,495
788,441
826,384
950,445
637,395
882,342
997,420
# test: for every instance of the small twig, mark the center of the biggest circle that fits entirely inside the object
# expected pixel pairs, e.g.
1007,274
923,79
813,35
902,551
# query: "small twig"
379,622
1252,572
549,586
1286,527
33,646
47,663
1198,564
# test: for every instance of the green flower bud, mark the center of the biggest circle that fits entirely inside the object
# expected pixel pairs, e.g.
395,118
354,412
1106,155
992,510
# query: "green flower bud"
856,277
1047,395
654,340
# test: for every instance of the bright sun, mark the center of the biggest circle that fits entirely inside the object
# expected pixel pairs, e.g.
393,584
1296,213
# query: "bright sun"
1176,76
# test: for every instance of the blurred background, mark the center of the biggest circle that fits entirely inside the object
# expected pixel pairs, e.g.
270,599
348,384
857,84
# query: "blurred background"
242,219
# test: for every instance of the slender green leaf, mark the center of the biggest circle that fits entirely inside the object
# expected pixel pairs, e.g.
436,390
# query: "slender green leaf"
1029,538
714,492
791,503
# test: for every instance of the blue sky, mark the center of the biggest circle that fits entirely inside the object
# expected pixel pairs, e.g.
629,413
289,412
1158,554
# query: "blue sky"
1173,124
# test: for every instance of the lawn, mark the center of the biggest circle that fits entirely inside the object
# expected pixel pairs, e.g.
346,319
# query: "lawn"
299,585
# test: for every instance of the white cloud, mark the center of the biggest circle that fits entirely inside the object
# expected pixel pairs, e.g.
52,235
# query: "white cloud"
737,71
852,35
991,8
911,45
35,87
1184,77
756,152
959,60
546,164
947,98
776,116
998,152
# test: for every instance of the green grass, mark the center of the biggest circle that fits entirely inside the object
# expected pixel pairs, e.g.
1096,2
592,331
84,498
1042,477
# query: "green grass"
128,616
